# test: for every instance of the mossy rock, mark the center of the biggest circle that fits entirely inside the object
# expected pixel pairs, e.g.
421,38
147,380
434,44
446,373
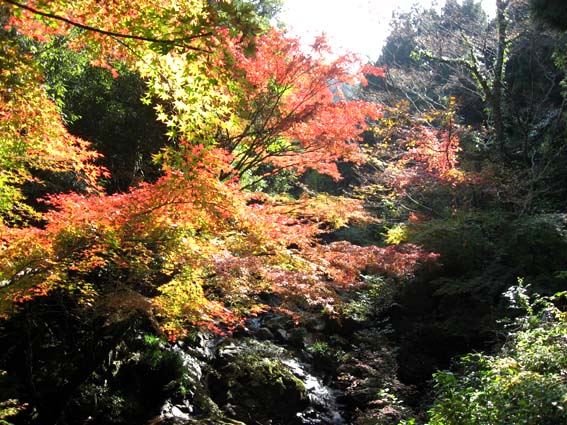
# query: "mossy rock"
253,384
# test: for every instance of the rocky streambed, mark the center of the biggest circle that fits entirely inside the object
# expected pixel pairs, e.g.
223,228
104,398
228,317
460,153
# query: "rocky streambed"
272,371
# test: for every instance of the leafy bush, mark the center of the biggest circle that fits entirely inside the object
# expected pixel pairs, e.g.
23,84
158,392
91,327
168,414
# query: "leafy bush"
538,244
524,383
465,242
468,243
377,295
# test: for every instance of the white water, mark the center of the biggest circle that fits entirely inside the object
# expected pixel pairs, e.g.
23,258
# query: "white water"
323,407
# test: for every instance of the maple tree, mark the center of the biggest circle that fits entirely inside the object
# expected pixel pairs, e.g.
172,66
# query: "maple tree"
280,106
32,135
416,166
194,247
122,30
292,112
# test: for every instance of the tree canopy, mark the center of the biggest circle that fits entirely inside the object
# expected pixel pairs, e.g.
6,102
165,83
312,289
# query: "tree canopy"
233,100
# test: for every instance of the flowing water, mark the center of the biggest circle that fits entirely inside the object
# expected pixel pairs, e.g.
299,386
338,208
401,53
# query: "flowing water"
323,407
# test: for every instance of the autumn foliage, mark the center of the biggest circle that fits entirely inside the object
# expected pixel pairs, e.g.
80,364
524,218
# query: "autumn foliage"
122,30
194,244
200,248
291,110
417,165
32,134
280,107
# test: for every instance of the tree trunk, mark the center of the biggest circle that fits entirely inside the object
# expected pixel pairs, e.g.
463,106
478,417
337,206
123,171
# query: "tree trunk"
498,79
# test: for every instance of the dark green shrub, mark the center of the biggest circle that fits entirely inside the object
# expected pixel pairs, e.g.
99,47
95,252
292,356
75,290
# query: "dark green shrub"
466,243
524,383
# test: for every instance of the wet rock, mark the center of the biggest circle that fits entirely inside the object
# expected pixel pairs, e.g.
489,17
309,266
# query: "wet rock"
260,382
264,334
281,335
254,385
315,322
299,337
368,377
173,414
278,321
202,345
323,407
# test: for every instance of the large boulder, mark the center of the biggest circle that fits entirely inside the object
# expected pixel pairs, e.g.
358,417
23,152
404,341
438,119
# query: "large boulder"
253,384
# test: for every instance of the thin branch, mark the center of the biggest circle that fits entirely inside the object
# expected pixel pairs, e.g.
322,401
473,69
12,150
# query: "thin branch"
178,42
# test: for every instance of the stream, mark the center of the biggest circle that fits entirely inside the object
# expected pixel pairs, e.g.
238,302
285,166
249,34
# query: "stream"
252,381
